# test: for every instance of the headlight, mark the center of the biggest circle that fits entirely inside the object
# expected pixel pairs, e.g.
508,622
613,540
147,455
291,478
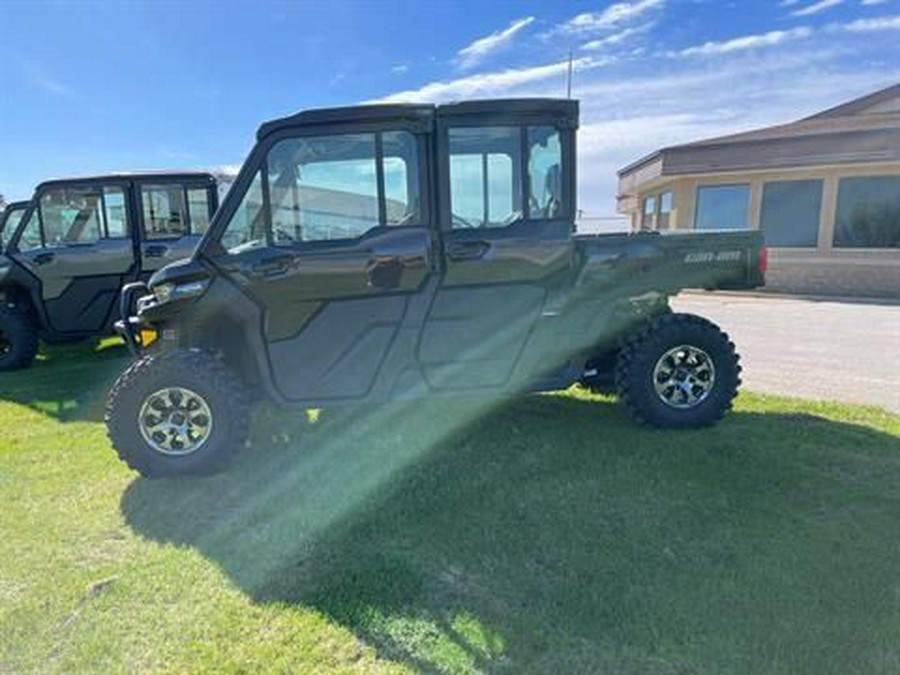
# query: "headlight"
163,292
170,291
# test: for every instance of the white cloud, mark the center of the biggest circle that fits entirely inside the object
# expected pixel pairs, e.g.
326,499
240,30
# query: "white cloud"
616,38
611,17
493,83
872,3
745,42
656,102
400,69
471,55
817,7
873,25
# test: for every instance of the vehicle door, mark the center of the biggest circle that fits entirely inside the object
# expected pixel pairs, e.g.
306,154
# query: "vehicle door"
507,220
174,215
332,239
77,241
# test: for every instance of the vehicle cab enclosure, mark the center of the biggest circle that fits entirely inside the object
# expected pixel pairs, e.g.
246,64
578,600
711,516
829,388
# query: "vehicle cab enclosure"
78,241
385,251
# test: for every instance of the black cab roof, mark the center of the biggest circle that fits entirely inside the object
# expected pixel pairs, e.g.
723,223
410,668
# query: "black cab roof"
137,176
425,113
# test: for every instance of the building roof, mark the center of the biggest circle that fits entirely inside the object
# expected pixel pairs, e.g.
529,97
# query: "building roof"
866,129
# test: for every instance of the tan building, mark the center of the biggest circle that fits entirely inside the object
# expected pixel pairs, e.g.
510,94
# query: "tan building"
825,190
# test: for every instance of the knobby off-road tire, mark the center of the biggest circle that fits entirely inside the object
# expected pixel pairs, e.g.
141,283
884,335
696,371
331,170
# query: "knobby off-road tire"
177,413
680,372
18,338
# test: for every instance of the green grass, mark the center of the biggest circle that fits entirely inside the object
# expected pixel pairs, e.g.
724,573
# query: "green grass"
544,535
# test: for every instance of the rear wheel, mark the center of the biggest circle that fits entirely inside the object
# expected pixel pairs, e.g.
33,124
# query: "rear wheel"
681,371
18,338
181,412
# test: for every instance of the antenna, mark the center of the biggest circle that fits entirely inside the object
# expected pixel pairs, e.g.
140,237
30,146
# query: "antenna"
569,77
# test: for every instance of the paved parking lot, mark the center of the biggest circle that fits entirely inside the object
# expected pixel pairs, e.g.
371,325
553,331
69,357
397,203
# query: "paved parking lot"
845,351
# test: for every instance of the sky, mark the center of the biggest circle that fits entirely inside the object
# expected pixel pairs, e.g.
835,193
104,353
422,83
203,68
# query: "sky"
91,86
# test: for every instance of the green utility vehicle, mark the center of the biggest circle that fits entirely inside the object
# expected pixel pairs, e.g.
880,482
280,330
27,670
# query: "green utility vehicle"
79,241
377,253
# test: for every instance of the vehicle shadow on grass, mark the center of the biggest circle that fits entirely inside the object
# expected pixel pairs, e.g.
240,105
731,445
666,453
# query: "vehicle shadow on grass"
550,535
67,381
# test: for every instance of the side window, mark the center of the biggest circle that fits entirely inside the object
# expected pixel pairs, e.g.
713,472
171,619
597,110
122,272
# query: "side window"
247,228
401,178
71,216
544,172
115,212
164,211
323,188
198,207
485,179
328,188
9,223
31,233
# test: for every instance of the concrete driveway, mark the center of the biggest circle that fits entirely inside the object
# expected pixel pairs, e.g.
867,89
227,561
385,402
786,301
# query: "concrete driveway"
843,351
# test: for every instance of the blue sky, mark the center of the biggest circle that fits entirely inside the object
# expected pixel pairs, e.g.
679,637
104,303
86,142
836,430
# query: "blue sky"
90,87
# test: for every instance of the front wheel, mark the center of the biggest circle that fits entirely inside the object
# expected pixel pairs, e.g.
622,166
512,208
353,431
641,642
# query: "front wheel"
177,413
18,338
681,371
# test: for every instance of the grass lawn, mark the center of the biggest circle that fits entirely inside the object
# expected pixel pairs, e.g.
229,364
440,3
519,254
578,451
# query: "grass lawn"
547,535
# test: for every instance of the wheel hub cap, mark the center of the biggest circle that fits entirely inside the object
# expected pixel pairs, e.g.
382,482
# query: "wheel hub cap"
684,376
175,421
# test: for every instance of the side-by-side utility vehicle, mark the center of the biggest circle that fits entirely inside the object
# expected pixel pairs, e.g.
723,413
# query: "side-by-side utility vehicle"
388,252
72,248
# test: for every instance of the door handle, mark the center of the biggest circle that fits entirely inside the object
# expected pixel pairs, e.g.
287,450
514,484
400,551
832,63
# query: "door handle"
468,250
156,251
43,258
269,267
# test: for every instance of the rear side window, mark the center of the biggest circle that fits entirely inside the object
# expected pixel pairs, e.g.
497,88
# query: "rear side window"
487,186
165,215
485,176
544,173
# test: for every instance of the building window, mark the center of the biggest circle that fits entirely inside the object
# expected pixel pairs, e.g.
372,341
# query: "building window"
722,207
663,221
868,213
648,212
790,212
